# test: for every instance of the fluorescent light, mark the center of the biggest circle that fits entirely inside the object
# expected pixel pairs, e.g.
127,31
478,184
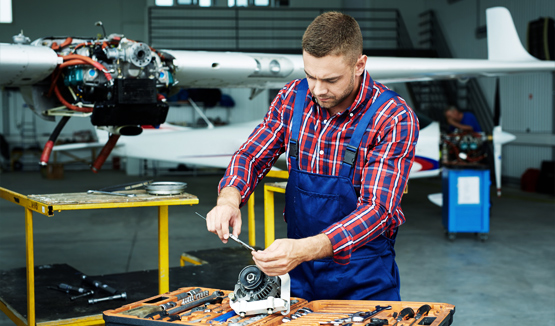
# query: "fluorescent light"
6,11
164,2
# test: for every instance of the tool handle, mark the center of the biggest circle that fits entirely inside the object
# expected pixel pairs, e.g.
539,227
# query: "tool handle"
423,310
405,314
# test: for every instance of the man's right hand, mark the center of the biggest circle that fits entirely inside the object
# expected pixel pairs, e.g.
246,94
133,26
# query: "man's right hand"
226,213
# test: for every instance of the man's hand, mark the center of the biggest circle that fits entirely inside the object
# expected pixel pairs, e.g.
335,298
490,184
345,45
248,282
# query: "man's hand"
285,254
226,213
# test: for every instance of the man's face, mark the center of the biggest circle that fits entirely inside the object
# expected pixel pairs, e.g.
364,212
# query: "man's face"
332,81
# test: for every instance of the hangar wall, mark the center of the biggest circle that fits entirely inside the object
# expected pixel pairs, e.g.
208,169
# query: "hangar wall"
527,100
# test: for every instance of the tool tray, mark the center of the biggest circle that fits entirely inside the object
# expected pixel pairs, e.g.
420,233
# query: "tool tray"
221,313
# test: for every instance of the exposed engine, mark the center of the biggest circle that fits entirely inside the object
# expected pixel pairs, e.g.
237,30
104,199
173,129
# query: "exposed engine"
256,292
116,79
463,148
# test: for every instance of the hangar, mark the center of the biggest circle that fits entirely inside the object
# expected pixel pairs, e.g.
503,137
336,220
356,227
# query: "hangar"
499,272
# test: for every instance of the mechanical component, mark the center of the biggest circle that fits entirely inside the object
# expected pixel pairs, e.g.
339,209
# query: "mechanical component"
216,296
166,188
257,293
114,297
463,148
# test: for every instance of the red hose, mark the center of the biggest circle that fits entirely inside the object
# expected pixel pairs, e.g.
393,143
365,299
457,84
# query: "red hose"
105,152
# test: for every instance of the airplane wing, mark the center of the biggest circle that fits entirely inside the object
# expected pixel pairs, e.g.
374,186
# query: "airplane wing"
119,83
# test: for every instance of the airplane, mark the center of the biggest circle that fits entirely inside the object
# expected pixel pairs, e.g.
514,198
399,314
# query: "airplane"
118,83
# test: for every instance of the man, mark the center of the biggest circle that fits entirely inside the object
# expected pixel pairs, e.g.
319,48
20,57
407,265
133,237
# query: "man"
458,120
350,147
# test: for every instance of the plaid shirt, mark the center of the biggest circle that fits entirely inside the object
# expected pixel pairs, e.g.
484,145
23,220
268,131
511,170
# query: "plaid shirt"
382,167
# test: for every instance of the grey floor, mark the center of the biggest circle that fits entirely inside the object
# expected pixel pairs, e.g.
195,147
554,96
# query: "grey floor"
507,280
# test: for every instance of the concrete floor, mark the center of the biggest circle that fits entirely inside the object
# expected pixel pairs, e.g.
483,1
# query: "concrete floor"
508,279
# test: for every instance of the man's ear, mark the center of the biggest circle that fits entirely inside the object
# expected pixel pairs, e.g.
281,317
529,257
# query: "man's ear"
360,65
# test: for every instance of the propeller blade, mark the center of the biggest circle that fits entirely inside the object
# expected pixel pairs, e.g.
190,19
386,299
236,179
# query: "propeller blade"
496,105
500,138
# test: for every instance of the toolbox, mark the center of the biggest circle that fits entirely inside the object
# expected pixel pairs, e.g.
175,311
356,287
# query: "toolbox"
173,308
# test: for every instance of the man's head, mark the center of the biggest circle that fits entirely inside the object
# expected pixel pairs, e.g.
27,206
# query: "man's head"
452,113
333,33
333,59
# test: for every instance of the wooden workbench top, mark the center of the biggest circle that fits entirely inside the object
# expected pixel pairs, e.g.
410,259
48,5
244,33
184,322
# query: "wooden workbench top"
85,198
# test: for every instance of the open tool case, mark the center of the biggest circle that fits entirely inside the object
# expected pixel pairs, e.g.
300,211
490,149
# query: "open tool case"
164,310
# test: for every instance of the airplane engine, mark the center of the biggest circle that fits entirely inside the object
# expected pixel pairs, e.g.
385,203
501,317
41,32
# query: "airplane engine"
116,81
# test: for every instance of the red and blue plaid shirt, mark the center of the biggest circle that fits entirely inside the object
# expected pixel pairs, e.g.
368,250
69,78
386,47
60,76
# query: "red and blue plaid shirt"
382,167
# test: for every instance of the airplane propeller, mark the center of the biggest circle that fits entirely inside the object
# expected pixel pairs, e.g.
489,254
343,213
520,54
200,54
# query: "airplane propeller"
499,138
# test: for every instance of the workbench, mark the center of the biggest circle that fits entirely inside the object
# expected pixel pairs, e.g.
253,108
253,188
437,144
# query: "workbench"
48,204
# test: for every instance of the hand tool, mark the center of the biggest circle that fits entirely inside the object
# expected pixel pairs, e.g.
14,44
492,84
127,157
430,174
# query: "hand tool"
198,320
128,186
109,193
114,297
405,314
422,311
216,296
99,285
377,322
82,295
234,238
67,287
360,317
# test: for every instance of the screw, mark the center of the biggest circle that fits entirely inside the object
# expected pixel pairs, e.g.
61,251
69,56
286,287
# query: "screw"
114,297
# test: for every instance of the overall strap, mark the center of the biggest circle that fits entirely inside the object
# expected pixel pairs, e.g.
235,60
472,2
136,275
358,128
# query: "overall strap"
349,158
298,109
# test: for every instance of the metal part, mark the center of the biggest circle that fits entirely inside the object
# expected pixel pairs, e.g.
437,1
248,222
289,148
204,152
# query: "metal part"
166,188
90,192
82,295
114,297
198,320
168,305
234,238
360,317
68,287
257,293
214,297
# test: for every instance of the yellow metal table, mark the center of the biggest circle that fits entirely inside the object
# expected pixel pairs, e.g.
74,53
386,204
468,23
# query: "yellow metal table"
50,203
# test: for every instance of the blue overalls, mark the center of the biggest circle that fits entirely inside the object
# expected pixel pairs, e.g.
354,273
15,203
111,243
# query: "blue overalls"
313,202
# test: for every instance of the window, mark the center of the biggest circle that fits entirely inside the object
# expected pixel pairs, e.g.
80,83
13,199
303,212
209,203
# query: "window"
6,11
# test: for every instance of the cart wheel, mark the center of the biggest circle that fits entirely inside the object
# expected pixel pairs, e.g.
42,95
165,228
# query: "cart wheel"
483,236
451,236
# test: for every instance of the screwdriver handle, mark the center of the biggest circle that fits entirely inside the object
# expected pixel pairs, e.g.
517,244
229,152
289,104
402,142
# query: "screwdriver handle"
422,311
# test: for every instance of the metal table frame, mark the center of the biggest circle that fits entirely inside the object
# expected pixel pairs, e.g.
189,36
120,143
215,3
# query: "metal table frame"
31,205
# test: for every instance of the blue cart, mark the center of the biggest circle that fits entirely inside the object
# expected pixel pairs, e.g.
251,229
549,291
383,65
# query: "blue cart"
466,201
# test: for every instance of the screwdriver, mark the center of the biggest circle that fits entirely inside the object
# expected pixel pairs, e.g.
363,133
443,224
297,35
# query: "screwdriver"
422,311
234,238
405,314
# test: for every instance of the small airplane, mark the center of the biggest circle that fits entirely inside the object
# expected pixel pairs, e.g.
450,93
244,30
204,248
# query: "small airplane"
118,83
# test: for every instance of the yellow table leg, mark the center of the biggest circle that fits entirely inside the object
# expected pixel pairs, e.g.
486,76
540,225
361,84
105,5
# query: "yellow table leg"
30,267
269,232
163,250
252,230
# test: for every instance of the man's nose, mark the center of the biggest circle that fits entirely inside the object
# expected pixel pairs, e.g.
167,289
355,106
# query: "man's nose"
319,88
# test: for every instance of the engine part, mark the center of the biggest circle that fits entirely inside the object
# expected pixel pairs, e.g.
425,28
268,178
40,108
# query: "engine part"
257,293
166,188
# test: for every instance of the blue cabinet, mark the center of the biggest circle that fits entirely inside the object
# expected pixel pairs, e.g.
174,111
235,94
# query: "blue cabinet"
466,201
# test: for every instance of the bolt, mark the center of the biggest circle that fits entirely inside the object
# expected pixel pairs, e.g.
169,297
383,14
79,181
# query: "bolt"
114,297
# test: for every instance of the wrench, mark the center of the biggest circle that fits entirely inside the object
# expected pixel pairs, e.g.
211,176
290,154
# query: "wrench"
360,317
109,193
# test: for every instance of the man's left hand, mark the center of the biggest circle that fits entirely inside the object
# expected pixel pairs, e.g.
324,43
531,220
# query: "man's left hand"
285,254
